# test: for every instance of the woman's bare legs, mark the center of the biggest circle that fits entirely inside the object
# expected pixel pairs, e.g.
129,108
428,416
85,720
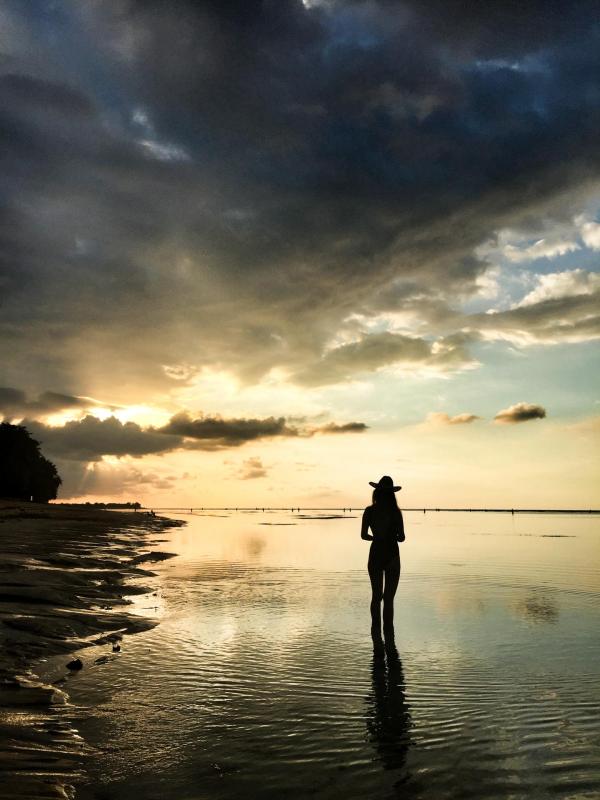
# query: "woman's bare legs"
387,594
392,576
376,576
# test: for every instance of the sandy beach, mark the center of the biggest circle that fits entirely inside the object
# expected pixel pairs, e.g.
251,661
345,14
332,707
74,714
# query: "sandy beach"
64,586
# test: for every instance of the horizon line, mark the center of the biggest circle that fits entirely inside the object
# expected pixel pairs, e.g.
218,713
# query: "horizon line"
423,509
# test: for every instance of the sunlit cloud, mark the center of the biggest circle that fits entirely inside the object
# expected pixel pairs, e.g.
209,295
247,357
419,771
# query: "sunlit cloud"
143,415
543,248
590,231
556,285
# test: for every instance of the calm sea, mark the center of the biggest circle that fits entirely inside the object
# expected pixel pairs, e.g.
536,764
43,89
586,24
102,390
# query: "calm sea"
260,680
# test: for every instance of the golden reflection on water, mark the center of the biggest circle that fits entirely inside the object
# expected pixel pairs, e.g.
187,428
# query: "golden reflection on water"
260,679
549,548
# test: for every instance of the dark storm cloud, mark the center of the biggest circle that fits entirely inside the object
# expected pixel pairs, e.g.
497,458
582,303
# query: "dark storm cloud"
14,403
520,412
348,427
226,432
223,184
89,439
501,29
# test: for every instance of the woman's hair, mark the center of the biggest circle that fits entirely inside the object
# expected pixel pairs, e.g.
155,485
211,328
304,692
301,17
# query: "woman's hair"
385,498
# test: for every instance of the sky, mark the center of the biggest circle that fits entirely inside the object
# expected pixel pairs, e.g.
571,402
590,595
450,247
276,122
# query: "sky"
261,253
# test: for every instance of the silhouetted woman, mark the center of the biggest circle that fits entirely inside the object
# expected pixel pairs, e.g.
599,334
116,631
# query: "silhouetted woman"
384,518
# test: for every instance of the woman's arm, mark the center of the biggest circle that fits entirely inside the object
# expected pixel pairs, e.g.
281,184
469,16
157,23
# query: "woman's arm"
364,530
400,534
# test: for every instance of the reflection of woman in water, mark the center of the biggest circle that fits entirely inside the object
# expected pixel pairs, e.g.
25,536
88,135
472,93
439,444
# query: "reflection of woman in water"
384,518
388,717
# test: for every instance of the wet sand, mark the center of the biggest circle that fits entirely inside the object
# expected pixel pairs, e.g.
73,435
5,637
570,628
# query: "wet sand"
65,580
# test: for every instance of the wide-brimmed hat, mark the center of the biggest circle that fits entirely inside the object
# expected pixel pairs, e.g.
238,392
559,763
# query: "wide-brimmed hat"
385,483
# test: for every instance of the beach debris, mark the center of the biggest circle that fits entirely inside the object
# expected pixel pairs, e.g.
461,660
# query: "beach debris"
75,664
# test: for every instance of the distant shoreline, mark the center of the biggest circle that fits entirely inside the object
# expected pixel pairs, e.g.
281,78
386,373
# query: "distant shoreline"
421,509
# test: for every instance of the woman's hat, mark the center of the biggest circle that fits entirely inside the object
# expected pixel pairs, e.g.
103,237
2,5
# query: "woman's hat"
385,483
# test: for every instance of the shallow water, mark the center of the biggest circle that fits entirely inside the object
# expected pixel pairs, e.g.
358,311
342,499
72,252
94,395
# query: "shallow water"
260,679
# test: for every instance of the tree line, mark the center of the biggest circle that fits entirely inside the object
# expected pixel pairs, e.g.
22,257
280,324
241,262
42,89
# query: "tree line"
25,474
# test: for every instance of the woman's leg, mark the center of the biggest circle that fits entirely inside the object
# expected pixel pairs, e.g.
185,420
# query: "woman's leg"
376,576
392,576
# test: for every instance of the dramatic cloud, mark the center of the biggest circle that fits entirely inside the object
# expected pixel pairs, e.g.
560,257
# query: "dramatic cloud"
441,418
223,184
520,412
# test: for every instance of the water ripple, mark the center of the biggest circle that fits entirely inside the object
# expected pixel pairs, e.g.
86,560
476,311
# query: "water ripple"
260,679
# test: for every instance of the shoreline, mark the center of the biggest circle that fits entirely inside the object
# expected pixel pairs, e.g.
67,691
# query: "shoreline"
65,575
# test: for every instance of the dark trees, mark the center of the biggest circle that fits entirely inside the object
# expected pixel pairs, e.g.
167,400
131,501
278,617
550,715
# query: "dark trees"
24,472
